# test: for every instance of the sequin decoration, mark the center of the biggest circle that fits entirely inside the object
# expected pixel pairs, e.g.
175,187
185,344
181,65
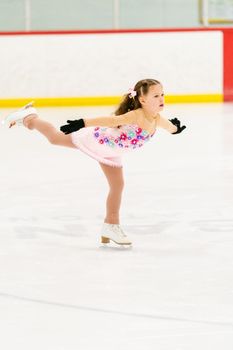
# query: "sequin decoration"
126,136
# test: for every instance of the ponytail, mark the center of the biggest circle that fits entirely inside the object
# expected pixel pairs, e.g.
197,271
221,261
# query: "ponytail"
130,102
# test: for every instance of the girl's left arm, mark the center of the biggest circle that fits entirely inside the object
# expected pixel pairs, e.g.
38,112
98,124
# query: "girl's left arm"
164,123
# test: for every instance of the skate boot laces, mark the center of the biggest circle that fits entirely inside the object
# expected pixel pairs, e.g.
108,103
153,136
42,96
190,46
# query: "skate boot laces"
118,230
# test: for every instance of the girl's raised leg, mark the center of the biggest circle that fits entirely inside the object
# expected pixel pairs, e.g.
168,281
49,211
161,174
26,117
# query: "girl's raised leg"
54,136
28,117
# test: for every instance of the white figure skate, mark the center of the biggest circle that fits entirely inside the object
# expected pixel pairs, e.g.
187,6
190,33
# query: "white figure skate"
112,232
16,118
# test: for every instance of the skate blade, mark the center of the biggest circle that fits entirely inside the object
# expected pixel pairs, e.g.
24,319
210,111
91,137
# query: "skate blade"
30,104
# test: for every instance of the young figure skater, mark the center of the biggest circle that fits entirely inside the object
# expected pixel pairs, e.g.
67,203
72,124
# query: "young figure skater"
106,139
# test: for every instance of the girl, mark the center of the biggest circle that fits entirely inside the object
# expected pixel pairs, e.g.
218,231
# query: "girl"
106,139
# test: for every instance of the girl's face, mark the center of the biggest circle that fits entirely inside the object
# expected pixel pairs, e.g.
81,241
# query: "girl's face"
153,101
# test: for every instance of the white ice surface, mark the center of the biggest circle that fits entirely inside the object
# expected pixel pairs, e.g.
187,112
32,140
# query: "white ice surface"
61,290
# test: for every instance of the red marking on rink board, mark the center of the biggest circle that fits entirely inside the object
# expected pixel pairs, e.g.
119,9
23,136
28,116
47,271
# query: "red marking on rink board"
228,66
113,31
227,45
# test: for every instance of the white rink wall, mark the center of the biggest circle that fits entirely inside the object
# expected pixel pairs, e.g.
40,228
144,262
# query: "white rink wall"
71,65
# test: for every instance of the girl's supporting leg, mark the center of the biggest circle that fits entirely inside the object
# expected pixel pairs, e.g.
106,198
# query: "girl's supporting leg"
48,130
116,183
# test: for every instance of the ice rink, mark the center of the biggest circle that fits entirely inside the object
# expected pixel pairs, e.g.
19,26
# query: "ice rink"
60,289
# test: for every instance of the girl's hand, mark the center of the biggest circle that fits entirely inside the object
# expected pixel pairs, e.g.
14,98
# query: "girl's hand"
176,122
72,126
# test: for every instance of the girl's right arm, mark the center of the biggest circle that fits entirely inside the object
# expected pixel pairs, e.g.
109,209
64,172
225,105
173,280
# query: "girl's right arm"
112,121
75,125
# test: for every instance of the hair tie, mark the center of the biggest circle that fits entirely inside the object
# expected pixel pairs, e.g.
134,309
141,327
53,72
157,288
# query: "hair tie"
132,93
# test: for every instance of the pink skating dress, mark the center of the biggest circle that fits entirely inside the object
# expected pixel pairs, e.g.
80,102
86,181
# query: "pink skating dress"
107,139
108,144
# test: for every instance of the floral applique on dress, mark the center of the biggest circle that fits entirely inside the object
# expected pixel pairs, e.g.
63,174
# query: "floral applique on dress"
128,136
107,145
